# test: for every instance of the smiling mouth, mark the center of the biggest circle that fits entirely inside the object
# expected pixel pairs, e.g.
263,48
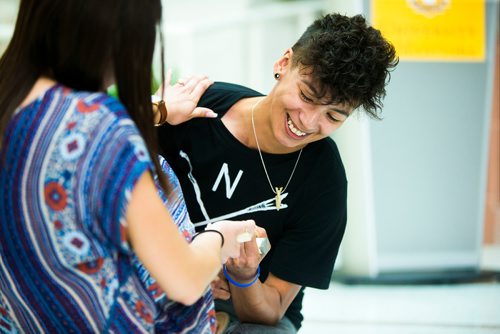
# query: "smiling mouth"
293,129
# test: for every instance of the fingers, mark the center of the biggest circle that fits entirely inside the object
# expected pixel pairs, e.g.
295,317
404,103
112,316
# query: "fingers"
230,262
231,229
237,252
189,82
250,226
200,88
159,92
260,232
195,84
168,77
204,112
220,289
183,82
249,251
250,248
221,294
243,253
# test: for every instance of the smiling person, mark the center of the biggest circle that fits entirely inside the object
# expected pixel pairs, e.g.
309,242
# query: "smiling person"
270,158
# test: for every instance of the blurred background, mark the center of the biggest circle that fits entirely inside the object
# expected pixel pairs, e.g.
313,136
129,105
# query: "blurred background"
421,252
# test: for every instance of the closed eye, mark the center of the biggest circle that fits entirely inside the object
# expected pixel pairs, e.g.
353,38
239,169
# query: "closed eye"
305,98
332,118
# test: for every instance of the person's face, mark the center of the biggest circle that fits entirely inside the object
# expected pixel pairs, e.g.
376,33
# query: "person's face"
298,116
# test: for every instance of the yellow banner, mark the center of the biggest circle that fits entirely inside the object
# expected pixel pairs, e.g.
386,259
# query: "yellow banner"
433,29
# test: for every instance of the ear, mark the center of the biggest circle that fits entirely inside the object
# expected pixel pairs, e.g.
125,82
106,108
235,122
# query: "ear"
284,63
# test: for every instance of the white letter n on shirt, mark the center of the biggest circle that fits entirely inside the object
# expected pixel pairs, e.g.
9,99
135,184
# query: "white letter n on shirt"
229,188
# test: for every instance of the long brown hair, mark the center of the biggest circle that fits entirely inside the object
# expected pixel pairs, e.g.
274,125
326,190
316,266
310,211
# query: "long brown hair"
77,43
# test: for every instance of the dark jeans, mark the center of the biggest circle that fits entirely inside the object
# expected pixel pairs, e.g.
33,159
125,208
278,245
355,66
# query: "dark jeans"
285,326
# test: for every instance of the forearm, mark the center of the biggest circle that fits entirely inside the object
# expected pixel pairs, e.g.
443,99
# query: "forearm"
258,303
204,261
183,271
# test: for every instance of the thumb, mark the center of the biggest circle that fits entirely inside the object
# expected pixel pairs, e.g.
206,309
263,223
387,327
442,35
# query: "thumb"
203,112
251,226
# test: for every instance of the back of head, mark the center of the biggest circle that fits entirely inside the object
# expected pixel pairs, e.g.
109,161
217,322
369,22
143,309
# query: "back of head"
348,60
83,44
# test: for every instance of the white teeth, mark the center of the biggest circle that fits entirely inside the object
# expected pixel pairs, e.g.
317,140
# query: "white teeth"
294,129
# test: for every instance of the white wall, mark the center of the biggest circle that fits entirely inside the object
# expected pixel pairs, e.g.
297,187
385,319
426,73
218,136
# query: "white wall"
358,249
235,41
8,13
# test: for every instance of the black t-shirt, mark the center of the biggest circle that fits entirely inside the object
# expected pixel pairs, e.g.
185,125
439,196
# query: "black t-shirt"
223,179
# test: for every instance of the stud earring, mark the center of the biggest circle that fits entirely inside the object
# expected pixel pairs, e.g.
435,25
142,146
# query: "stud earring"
277,76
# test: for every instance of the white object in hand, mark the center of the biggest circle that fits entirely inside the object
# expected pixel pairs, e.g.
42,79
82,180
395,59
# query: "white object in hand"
244,237
264,246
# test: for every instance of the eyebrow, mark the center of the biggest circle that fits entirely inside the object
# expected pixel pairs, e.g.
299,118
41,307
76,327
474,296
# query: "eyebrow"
341,111
315,92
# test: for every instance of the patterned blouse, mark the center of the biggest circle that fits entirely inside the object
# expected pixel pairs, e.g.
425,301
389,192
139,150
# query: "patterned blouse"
68,164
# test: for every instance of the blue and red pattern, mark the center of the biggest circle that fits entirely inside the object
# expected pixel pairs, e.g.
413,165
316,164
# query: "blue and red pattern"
69,163
175,317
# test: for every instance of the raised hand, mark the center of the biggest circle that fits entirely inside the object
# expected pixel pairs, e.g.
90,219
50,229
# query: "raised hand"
182,98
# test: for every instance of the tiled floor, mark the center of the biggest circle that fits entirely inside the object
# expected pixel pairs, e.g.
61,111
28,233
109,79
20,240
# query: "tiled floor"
421,309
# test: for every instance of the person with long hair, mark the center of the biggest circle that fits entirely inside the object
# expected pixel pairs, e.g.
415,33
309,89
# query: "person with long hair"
86,241
270,158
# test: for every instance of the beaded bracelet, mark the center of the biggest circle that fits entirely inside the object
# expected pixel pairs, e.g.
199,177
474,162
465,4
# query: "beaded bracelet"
241,285
215,231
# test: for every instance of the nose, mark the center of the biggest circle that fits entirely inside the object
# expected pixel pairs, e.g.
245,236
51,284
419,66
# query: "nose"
310,119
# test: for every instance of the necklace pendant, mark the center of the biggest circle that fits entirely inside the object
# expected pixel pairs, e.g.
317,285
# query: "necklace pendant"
278,190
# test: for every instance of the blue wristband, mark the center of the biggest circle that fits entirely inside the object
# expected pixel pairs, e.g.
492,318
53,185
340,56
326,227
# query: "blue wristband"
241,285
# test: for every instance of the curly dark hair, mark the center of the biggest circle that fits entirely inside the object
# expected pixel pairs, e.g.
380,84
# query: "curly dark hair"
348,60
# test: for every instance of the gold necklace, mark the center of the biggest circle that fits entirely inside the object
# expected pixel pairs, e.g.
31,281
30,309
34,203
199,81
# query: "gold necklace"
276,190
